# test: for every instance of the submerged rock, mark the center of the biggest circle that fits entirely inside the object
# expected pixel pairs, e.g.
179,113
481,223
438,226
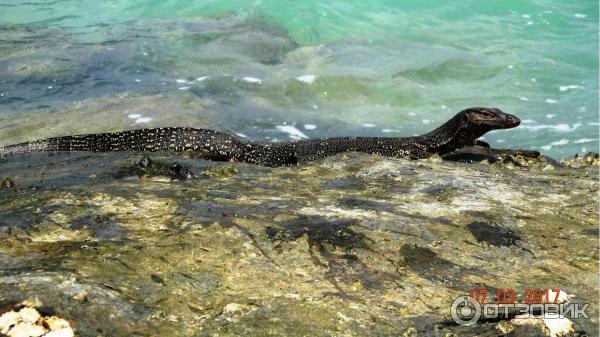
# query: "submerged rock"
360,246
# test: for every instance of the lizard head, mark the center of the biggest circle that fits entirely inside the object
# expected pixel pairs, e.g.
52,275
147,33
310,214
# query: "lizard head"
466,127
489,118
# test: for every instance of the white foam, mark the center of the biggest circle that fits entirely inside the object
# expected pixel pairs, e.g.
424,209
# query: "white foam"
426,121
582,109
179,80
183,88
500,141
412,114
143,120
585,140
510,66
307,78
533,79
134,116
138,80
569,87
546,147
526,16
315,106
239,134
252,80
443,106
557,127
551,101
292,131
309,126
550,116
581,16
388,130
593,123
368,125
201,78
560,142
528,121
523,98
530,22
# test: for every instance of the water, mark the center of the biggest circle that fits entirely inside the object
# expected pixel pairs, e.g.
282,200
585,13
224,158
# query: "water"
279,70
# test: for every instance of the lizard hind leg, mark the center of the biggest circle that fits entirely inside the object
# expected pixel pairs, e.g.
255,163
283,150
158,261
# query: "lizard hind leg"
416,152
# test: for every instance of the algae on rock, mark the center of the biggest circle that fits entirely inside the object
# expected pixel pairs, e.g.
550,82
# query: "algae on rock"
352,245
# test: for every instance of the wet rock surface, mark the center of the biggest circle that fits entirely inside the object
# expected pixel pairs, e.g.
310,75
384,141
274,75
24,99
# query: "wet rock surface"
353,245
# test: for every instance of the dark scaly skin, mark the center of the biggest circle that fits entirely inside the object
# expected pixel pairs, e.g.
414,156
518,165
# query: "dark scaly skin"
462,130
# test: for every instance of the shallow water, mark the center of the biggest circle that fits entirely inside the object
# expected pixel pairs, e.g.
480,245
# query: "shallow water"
292,69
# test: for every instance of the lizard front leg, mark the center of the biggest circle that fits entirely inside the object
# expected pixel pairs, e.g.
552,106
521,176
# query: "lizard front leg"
481,143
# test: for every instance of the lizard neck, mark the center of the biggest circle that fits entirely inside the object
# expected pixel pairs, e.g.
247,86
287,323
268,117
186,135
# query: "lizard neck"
453,134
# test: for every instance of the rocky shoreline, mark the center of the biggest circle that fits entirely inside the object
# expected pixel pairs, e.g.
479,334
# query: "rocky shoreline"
352,245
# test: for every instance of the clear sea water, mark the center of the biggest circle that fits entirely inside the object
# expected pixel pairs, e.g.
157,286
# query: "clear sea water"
280,69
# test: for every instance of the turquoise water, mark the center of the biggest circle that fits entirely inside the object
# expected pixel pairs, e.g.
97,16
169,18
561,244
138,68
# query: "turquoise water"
279,70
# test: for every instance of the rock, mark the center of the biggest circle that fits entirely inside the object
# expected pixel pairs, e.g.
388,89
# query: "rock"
65,332
551,325
25,329
147,168
7,183
233,309
505,327
8,320
363,246
557,326
435,158
28,322
221,171
55,323
80,297
29,315
410,332
32,302
590,159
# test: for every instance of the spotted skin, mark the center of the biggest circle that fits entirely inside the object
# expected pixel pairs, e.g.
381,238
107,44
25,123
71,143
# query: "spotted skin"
462,130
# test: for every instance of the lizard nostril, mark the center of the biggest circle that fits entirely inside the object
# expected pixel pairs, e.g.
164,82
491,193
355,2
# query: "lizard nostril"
514,120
